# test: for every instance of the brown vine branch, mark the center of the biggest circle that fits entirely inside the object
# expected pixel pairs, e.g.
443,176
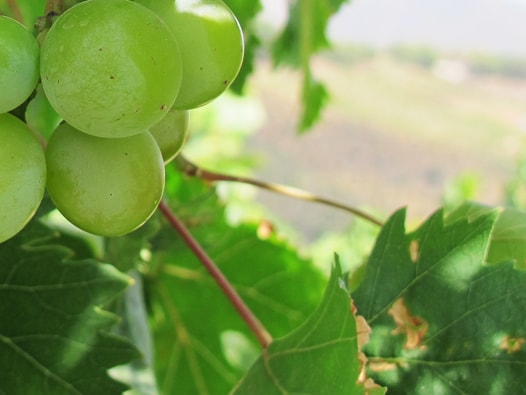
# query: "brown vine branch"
244,311
195,171
53,7
15,10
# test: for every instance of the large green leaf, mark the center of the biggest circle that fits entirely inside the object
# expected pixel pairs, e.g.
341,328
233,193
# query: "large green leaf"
202,346
55,338
444,322
320,357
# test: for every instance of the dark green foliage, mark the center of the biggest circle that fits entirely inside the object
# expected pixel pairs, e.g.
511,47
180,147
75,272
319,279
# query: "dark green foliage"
328,336
54,335
442,320
193,324
445,302
246,12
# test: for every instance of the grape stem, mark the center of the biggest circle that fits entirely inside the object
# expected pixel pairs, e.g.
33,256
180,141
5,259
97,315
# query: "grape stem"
244,311
193,170
53,7
15,10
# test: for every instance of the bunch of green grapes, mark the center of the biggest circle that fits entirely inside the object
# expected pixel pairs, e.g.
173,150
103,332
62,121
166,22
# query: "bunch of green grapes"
22,161
121,77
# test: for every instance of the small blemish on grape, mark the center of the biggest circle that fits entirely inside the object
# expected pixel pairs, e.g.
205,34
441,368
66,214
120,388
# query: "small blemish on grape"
225,82
163,107
112,77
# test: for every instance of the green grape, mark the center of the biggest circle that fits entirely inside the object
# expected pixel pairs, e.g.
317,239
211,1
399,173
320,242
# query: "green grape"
19,57
171,132
40,115
211,43
110,68
107,187
22,175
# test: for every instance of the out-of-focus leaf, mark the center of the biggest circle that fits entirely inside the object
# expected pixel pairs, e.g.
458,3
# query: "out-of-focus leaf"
320,357
443,321
25,11
138,374
303,36
246,11
315,96
125,251
54,335
252,44
306,28
192,320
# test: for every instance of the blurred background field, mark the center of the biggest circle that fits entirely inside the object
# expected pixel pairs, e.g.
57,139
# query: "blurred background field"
427,107
395,134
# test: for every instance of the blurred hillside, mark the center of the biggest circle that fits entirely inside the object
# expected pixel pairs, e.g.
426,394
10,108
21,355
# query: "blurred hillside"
396,133
474,25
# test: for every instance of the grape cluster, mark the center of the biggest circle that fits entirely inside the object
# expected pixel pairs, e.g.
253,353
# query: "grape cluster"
122,76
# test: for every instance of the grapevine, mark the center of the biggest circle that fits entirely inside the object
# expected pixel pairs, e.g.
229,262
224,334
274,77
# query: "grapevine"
120,97
110,234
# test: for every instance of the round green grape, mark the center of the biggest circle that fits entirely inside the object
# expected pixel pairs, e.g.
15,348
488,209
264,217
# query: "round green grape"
22,175
19,60
110,68
107,187
211,43
171,132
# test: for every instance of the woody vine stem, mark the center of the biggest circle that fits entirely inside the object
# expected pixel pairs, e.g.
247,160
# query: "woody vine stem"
244,311
193,170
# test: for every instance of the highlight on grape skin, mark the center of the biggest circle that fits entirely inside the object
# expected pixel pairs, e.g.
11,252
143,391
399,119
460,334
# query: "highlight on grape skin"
22,175
110,68
107,187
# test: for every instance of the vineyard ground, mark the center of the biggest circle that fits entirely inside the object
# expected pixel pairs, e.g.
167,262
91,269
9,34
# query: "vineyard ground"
393,135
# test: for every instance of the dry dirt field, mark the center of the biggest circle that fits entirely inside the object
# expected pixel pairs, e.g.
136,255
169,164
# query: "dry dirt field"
357,162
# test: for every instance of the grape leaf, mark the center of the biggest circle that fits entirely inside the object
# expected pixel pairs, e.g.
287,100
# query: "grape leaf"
134,325
196,330
246,12
443,321
54,335
305,28
320,357
508,241
303,36
315,96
